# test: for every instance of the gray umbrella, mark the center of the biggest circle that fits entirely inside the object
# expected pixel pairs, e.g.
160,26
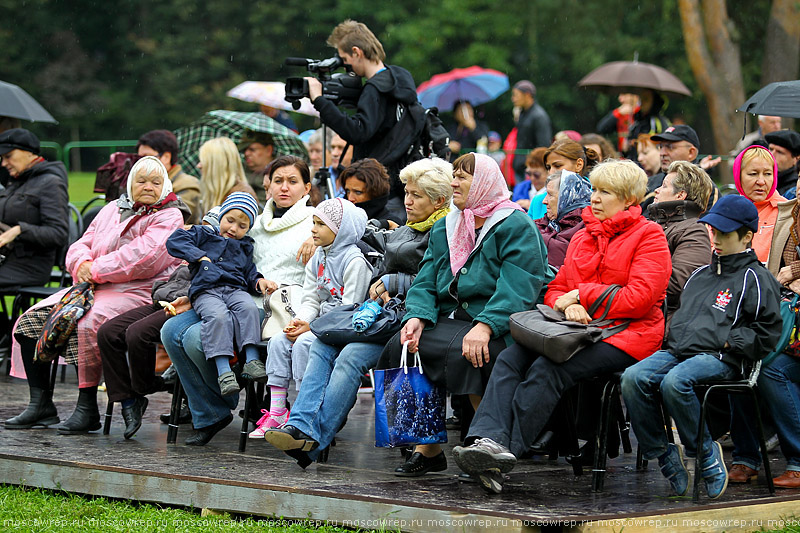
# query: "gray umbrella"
632,76
16,103
778,99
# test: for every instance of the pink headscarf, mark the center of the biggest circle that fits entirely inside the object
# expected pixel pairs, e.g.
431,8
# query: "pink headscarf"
487,194
737,171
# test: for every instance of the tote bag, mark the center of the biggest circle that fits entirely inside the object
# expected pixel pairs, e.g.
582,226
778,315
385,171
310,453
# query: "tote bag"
279,309
409,408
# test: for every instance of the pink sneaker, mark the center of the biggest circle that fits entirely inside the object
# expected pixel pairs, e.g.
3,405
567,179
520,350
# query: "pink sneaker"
269,421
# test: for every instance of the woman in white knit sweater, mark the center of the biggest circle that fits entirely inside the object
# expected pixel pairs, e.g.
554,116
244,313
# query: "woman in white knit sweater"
281,251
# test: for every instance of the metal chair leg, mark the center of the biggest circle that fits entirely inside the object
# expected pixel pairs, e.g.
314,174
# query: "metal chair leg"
699,447
249,395
601,440
174,412
762,442
109,415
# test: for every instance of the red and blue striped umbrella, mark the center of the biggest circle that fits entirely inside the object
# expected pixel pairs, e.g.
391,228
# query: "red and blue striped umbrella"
475,85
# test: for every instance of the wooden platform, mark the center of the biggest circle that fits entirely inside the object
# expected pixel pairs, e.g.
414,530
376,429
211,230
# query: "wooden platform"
356,487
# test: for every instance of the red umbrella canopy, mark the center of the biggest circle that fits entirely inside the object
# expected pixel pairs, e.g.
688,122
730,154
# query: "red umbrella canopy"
476,85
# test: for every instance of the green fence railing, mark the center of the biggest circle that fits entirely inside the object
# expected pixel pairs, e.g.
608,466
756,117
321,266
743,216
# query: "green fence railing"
112,147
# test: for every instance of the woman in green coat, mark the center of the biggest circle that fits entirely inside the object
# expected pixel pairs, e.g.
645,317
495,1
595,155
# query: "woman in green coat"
485,261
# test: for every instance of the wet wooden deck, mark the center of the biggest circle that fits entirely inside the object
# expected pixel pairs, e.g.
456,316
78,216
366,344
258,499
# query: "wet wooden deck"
356,487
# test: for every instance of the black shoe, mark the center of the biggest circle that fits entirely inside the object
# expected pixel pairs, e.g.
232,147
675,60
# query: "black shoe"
302,458
418,465
40,412
290,438
544,445
86,416
491,481
202,436
184,416
452,422
133,416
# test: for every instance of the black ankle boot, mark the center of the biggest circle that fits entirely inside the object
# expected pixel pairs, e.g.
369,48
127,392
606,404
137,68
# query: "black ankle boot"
86,416
40,411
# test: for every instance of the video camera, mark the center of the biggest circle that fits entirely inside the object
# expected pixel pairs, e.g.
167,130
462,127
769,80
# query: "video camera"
342,89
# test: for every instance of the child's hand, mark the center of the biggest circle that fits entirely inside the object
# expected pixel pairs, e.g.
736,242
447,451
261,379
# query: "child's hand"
266,286
181,304
296,328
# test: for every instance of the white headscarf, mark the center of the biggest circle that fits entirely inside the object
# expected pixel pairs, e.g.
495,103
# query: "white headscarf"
150,165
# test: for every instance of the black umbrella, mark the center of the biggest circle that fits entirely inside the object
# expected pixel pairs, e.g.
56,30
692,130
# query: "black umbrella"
16,103
778,99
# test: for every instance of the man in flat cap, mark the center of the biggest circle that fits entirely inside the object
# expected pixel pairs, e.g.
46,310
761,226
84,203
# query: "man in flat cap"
259,151
785,148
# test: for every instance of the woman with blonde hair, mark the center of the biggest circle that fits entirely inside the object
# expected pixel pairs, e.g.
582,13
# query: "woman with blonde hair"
222,172
755,174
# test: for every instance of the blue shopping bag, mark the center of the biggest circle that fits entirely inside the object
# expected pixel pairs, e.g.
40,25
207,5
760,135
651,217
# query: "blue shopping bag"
409,408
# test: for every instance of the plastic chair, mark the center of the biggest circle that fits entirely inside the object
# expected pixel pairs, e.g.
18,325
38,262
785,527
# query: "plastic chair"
743,386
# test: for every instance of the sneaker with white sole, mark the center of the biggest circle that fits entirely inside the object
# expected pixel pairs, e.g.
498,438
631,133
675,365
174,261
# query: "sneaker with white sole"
269,421
482,455
714,472
673,468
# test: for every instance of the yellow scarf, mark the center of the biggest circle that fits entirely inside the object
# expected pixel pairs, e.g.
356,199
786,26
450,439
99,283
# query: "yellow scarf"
427,224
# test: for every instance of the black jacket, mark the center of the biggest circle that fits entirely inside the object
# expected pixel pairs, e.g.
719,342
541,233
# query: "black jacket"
376,109
37,200
403,249
733,300
176,286
787,180
533,130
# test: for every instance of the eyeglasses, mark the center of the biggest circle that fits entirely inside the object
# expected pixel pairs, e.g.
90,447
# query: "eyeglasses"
533,173
671,147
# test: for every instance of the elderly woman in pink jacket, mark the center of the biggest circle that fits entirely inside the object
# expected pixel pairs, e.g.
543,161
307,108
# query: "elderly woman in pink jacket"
122,254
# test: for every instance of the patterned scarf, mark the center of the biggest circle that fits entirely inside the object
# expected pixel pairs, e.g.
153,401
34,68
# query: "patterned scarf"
487,195
427,224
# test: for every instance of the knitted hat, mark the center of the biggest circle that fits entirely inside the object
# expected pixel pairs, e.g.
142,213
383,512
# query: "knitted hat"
212,217
243,202
330,212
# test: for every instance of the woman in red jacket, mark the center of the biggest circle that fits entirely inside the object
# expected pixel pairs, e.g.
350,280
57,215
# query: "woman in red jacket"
618,246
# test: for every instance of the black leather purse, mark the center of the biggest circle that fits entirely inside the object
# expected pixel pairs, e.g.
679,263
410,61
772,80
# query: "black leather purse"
336,326
547,331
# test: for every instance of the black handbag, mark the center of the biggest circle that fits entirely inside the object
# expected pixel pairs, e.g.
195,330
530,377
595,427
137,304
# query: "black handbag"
547,331
336,326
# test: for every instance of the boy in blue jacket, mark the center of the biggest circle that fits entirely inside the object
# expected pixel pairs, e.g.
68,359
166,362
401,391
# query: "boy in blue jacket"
729,318
222,268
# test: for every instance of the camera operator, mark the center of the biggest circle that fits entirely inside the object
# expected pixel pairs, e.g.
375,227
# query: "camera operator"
385,87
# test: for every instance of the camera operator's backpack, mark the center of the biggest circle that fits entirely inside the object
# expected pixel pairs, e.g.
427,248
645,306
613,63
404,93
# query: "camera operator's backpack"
418,133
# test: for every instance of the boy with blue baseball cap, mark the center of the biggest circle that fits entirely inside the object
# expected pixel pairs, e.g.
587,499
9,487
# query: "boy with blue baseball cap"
729,318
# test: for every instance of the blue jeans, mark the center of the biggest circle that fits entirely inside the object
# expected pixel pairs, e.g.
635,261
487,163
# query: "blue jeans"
676,380
181,338
330,388
779,385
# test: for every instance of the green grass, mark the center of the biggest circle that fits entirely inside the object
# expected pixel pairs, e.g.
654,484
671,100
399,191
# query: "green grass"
41,511
81,188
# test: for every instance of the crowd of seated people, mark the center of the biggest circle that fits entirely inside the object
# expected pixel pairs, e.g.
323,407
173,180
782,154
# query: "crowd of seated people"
463,256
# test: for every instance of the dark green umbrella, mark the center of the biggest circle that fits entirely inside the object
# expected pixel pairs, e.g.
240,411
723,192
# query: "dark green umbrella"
233,124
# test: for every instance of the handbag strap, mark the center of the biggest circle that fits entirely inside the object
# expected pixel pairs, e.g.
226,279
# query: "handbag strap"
610,293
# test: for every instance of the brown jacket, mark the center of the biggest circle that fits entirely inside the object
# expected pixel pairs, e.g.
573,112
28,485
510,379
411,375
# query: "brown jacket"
688,241
188,188
780,235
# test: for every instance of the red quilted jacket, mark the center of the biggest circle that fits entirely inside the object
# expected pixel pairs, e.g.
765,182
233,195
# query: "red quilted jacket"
632,252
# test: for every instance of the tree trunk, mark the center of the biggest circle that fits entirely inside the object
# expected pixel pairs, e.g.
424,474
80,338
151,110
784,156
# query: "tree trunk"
716,64
782,47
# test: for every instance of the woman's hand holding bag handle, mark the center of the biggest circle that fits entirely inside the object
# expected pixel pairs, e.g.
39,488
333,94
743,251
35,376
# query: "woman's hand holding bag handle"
547,332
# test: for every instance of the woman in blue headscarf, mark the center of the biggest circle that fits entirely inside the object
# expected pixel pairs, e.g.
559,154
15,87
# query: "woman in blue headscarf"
567,195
